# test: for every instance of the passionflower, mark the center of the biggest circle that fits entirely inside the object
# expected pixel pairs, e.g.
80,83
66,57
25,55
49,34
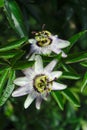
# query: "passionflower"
45,43
38,82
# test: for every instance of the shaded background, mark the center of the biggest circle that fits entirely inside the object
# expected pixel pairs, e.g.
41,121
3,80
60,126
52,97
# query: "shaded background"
64,18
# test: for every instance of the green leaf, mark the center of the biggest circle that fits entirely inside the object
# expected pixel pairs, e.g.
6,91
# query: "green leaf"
48,58
8,54
71,97
3,62
68,68
13,45
58,98
74,39
1,3
3,68
9,88
84,64
3,79
73,58
15,17
84,82
23,65
17,57
70,75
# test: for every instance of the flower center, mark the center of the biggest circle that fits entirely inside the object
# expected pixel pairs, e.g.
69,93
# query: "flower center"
43,38
42,83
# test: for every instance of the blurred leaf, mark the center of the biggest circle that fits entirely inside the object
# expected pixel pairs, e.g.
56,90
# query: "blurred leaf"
13,45
71,97
84,82
3,79
1,3
9,88
84,64
17,57
70,75
8,54
23,65
9,109
48,58
3,62
73,58
15,17
74,39
3,68
58,56
68,68
58,98
34,11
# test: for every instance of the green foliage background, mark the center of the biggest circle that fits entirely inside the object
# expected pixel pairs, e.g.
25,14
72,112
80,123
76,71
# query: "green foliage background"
64,18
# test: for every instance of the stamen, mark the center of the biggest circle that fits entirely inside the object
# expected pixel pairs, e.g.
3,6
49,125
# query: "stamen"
33,32
43,26
42,83
52,80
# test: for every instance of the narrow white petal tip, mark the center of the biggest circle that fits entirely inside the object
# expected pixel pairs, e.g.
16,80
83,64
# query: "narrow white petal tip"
13,94
38,107
32,41
64,87
21,81
56,74
64,55
25,106
38,64
51,66
58,86
38,102
29,100
16,94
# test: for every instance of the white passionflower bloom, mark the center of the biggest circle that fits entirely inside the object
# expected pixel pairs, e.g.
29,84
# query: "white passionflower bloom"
45,43
38,82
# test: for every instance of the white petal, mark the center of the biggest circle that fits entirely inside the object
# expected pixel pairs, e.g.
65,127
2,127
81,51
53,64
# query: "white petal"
29,100
22,81
59,43
55,74
44,95
50,66
63,43
32,57
46,50
64,55
32,41
56,50
28,71
38,102
38,64
58,86
21,91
